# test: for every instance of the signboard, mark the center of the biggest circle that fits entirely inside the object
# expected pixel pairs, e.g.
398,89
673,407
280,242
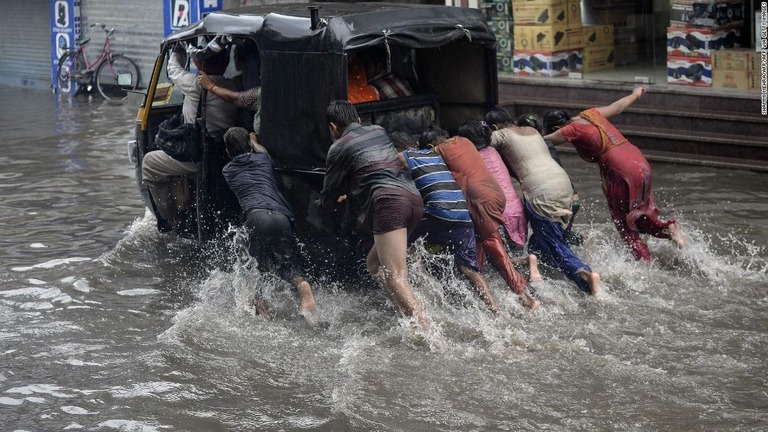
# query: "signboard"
178,14
66,30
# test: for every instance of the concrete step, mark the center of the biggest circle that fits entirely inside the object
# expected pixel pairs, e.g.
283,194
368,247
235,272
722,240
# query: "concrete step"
662,116
698,146
698,160
596,93
713,127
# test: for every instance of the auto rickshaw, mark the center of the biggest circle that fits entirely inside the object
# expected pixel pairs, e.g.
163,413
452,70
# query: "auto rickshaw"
445,54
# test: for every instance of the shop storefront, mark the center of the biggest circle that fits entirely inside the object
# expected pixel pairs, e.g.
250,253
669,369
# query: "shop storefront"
701,43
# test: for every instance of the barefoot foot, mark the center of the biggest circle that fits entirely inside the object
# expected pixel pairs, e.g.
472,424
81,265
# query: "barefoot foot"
260,306
592,279
306,298
528,301
533,268
677,235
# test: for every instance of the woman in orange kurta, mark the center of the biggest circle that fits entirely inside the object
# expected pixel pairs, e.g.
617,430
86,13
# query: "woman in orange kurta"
625,172
486,202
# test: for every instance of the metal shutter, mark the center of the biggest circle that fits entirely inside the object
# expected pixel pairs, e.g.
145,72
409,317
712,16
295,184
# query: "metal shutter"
25,43
138,30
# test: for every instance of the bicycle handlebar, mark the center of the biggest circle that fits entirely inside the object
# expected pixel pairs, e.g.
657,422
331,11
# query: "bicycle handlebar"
104,27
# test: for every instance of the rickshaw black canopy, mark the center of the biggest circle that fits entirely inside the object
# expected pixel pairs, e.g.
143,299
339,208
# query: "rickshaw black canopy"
345,26
304,63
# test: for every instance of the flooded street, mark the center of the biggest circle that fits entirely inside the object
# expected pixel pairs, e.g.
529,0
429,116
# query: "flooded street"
105,324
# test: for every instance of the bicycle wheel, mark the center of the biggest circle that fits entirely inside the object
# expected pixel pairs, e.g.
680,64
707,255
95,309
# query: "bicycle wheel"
69,65
115,76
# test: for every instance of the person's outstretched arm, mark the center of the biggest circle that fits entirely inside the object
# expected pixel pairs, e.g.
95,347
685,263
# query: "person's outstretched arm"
621,104
255,146
556,138
207,83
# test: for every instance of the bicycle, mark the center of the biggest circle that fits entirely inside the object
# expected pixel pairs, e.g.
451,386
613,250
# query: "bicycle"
112,74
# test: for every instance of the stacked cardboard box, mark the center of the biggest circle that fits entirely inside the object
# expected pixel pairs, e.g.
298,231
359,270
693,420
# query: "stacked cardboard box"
735,69
698,29
621,15
499,19
548,37
706,13
598,48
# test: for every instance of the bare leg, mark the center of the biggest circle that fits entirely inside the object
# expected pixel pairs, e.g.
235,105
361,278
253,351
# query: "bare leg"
306,298
387,263
181,194
260,305
533,268
676,234
592,279
498,256
528,301
482,288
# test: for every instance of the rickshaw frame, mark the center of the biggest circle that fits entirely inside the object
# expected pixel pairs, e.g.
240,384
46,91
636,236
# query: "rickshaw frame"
304,51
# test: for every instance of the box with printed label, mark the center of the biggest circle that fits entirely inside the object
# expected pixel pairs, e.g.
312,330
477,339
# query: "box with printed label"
598,35
732,79
498,10
733,59
597,58
500,28
695,71
545,63
699,42
574,13
504,63
706,13
504,46
539,13
548,38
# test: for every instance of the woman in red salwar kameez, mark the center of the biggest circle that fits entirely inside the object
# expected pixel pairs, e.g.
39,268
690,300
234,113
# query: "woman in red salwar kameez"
626,174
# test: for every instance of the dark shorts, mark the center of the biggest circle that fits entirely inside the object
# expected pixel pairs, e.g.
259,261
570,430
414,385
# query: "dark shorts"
394,209
272,242
456,238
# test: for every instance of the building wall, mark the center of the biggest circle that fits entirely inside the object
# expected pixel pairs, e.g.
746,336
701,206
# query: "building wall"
25,43
25,38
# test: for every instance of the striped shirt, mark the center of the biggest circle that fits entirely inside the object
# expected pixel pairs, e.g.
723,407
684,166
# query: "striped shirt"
443,199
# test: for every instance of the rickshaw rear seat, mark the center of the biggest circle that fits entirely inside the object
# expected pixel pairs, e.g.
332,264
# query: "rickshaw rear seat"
411,114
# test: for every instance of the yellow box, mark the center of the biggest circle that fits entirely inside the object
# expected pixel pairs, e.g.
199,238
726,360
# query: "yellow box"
599,35
597,58
539,13
573,13
733,59
730,79
540,2
548,38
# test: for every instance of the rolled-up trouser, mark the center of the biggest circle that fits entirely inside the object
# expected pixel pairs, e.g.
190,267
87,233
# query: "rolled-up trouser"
158,170
548,243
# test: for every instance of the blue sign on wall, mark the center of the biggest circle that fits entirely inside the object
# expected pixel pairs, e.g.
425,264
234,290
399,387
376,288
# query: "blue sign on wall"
181,13
65,32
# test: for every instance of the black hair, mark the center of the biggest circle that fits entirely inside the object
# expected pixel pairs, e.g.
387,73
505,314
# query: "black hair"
402,140
476,131
554,120
432,136
341,113
530,120
237,140
498,116
215,64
